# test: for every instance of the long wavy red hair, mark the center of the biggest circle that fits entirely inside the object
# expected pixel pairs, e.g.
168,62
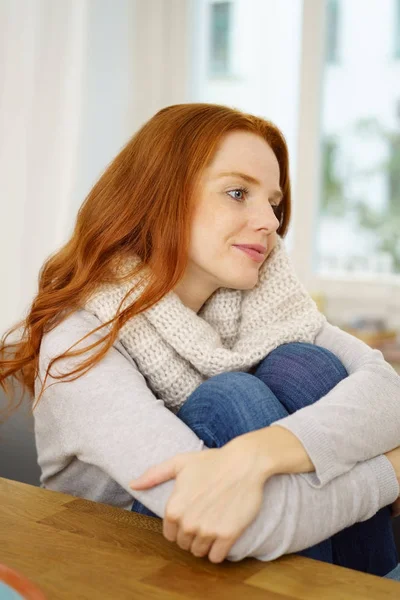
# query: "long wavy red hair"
141,205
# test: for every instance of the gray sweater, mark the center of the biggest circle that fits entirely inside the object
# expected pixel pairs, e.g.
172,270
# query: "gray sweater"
97,433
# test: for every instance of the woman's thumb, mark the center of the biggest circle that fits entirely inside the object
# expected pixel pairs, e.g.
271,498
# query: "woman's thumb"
155,475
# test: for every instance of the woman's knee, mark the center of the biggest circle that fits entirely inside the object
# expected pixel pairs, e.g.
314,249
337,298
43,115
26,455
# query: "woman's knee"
302,372
301,356
236,400
225,393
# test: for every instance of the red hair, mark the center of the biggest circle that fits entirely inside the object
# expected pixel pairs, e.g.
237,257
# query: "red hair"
141,205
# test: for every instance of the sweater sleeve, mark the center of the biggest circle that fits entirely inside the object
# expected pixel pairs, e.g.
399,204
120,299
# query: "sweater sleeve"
109,418
358,419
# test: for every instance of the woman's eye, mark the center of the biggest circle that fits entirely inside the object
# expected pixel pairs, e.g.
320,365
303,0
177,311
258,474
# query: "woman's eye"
238,193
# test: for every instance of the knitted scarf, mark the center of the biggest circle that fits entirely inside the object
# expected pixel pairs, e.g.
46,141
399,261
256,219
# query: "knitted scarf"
176,349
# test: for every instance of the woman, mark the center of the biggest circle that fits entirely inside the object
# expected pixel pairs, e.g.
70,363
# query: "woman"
211,344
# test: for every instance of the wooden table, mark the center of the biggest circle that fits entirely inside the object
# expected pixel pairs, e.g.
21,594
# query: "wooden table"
77,549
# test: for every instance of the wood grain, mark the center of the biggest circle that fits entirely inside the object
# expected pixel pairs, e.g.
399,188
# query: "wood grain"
76,549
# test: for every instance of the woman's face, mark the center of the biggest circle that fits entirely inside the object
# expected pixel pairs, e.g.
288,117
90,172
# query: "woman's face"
234,205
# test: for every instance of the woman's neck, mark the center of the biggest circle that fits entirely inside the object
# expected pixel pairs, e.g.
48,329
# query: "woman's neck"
193,293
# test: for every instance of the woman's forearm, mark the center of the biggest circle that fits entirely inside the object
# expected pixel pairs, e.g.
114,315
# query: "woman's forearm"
294,515
278,449
358,419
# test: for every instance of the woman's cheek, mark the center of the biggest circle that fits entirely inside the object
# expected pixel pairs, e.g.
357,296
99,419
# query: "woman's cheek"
271,243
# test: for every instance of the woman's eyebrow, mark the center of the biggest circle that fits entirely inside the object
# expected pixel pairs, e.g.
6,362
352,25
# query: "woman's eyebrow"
275,194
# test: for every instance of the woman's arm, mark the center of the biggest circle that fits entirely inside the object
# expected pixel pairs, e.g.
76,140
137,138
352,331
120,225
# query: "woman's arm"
357,420
295,516
109,418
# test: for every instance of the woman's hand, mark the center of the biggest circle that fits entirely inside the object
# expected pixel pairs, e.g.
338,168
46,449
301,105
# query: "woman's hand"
395,508
394,457
217,494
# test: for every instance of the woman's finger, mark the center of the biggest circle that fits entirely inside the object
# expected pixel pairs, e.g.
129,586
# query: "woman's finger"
170,529
184,540
220,549
171,520
201,546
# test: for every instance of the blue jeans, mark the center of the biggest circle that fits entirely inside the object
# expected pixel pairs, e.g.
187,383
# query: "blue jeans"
291,377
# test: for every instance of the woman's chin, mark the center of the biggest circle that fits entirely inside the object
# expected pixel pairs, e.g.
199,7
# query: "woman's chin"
246,282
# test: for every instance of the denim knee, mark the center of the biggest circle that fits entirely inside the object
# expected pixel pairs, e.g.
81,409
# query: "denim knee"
301,355
300,373
228,405
224,394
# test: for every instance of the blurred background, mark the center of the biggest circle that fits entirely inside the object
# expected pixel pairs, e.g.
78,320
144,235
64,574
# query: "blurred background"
78,77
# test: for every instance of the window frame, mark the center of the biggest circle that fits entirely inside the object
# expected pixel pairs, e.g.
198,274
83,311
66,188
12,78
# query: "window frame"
348,288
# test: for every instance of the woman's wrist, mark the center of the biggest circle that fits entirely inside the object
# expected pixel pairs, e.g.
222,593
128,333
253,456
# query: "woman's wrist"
276,450
394,457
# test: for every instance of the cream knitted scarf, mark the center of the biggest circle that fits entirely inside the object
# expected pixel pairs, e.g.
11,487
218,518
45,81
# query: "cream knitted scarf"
177,349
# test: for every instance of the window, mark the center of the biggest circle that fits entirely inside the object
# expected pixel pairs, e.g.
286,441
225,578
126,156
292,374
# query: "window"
339,119
359,199
332,200
397,29
220,27
332,31
391,237
259,82
394,172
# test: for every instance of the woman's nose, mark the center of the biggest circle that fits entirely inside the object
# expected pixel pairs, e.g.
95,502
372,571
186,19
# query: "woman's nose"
264,217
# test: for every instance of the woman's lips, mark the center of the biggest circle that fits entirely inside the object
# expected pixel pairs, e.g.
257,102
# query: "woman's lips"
256,256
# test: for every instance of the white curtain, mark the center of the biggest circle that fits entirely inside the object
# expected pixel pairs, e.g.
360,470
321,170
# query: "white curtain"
65,109
40,108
